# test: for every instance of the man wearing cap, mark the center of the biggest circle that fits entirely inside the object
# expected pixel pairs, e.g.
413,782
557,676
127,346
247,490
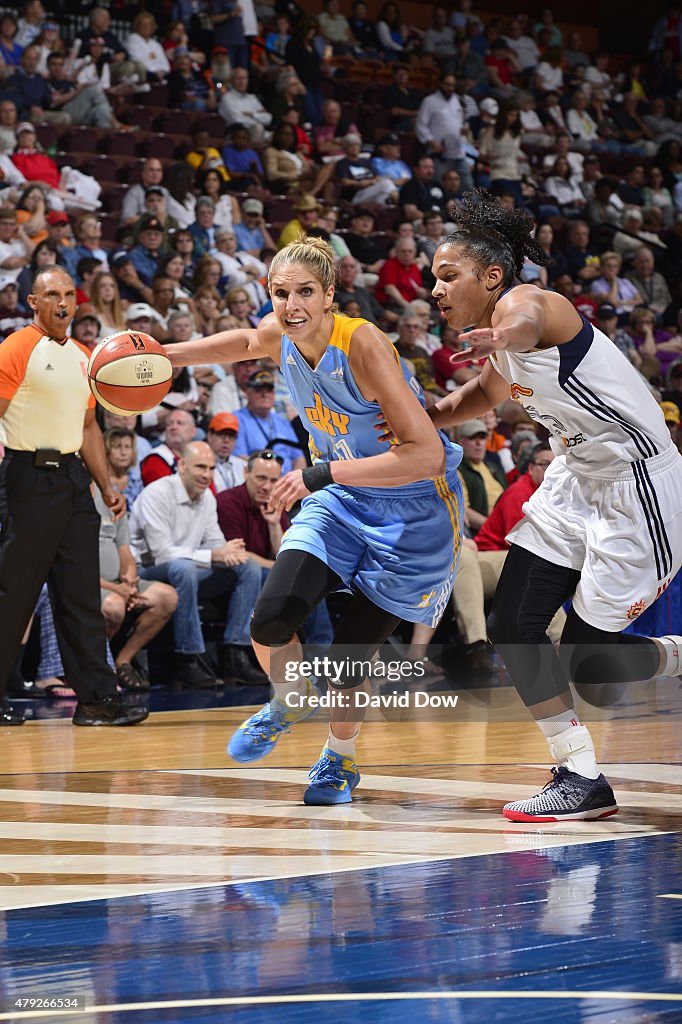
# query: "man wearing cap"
306,209
85,326
156,205
357,178
13,316
481,472
140,316
133,201
260,427
251,233
146,254
239,106
229,468
59,229
388,163
50,528
203,229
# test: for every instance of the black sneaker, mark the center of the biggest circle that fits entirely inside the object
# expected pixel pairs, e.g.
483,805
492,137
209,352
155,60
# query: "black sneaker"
108,711
566,797
238,666
194,674
8,715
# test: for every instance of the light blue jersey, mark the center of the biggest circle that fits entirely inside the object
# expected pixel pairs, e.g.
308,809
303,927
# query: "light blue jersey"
398,545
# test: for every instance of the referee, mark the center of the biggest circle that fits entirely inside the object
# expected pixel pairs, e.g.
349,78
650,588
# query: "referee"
50,527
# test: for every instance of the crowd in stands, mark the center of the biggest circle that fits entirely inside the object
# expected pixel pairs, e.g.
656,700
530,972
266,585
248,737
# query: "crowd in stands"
162,163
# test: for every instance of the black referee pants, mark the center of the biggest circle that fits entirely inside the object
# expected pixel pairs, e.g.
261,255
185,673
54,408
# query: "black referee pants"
50,531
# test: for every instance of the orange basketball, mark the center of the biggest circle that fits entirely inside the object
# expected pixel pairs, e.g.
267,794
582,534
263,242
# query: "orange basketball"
129,373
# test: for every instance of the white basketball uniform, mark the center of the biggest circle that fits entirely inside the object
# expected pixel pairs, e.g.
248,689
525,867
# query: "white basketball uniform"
610,505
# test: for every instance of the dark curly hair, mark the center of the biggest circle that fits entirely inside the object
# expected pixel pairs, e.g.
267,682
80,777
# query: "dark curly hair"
488,233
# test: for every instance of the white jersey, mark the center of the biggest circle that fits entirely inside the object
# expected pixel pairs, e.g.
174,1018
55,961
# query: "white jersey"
598,410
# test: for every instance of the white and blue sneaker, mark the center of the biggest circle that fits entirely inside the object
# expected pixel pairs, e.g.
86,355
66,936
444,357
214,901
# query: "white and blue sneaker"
257,736
332,780
566,797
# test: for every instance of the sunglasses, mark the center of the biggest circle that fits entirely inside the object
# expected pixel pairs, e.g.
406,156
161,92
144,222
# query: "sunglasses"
268,456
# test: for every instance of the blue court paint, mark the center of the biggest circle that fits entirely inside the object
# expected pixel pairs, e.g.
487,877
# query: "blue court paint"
568,919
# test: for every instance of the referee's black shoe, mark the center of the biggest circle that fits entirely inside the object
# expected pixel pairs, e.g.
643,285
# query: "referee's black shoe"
9,716
108,711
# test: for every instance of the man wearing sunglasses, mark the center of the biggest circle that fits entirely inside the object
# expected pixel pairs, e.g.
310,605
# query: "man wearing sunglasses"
261,427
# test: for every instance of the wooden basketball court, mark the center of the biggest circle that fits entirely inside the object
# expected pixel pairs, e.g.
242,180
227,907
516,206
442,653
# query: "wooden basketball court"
149,878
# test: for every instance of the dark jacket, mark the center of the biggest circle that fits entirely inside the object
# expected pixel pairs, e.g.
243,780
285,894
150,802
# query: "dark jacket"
478,498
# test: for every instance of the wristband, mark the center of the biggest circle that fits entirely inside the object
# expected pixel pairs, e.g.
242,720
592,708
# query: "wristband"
318,476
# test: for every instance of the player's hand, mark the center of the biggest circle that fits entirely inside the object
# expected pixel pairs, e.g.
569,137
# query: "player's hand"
287,491
115,502
482,342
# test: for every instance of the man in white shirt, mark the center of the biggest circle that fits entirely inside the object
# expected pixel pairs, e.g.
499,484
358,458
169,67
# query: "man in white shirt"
15,245
176,539
523,47
134,200
239,106
222,434
440,126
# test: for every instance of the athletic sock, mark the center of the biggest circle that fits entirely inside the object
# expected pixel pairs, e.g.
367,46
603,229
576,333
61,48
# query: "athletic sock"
672,646
301,685
570,743
345,748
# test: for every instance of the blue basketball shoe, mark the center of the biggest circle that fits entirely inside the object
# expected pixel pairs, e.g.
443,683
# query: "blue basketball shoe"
258,735
332,780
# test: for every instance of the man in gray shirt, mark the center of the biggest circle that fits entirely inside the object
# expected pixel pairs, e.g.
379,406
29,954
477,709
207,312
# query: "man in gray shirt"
175,538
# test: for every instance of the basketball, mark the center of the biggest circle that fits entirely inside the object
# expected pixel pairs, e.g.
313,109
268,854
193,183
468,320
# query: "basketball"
129,373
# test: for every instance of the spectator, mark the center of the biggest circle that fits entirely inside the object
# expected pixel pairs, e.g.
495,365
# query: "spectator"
133,206
598,77
633,236
260,426
88,233
661,126
482,476
122,69
581,259
180,429
146,254
601,209
44,255
30,212
362,27
634,132
131,287
156,205
522,46
501,67
251,234
549,76
451,377
400,279
230,394
243,514
393,37
84,104
500,147
203,229
563,187
631,191
226,208
13,316
106,301
357,179
401,100
30,23
187,85
330,132
468,65
335,28
656,194
286,169
421,192
306,209
556,261
388,162
8,125
203,156
659,348
238,268
673,391
239,106
10,51
229,469
242,162
586,305
617,291
651,285
276,41
31,92
440,127
368,249
144,49
176,539
207,309
608,325
347,290
407,346
173,266
228,30
671,413
15,245
439,39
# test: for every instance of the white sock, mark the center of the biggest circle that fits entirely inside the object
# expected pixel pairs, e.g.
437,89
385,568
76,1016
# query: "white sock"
672,646
570,743
345,748
299,685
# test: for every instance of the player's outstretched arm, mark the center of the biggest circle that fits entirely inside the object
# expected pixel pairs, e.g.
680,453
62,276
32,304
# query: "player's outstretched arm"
229,346
474,398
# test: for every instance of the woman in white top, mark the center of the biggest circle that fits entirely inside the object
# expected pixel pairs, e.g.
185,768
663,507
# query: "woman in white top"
500,146
142,47
211,183
582,127
564,188
534,131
